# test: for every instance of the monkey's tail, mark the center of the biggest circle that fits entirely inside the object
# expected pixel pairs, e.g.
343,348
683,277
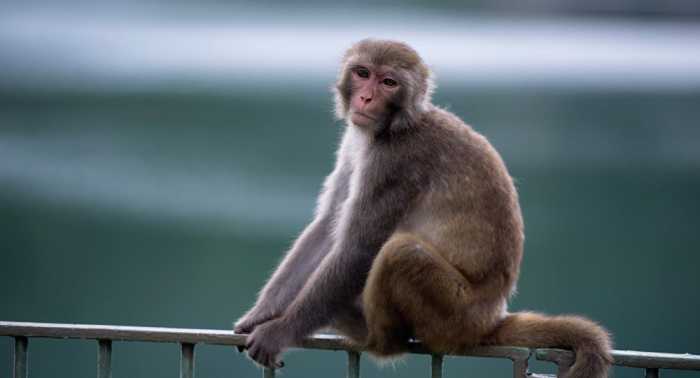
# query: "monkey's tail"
589,341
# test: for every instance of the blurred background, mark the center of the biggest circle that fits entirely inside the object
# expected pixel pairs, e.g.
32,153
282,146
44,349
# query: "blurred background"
158,158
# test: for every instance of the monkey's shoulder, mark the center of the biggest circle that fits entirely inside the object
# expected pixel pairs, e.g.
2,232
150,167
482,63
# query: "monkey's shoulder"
457,138
448,125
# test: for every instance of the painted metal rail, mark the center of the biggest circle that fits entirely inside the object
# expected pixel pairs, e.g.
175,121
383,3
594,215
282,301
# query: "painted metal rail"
188,338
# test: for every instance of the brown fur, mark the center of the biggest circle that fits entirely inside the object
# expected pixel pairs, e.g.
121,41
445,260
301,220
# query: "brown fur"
418,233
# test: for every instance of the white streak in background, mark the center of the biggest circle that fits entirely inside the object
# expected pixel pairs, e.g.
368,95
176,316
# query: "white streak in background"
124,46
54,168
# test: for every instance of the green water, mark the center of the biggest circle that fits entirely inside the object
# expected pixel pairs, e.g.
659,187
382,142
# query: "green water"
171,210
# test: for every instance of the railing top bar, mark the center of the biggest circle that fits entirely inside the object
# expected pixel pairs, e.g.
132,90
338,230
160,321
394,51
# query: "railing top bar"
632,359
657,360
203,336
513,353
207,336
124,333
329,342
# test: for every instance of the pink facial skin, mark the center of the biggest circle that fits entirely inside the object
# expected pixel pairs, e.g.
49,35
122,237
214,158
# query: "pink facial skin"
374,86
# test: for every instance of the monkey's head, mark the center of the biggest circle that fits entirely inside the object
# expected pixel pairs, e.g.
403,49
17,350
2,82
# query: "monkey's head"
383,85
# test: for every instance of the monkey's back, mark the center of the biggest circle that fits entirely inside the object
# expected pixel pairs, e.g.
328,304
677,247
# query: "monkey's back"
470,211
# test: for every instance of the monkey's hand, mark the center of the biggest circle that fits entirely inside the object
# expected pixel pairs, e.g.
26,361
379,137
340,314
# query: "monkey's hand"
249,321
267,341
252,319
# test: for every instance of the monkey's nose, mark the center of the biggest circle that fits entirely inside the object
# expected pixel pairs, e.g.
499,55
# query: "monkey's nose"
365,99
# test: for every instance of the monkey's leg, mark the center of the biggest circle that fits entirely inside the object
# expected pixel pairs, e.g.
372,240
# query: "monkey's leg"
352,323
412,291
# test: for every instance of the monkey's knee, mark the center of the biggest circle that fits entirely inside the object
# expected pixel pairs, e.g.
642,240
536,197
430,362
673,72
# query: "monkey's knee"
403,257
410,285
409,266
413,292
401,253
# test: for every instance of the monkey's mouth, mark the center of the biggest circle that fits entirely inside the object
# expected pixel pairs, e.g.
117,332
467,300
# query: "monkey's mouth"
364,115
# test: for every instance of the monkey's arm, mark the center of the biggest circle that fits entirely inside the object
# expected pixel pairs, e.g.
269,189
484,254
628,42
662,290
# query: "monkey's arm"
303,258
307,252
332,288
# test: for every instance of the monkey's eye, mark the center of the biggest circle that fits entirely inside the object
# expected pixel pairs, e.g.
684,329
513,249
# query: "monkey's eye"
389,82
363,74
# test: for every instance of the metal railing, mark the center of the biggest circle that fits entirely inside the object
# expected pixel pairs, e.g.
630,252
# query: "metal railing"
188,338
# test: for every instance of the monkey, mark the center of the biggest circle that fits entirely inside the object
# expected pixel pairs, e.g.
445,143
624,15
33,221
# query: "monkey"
418,234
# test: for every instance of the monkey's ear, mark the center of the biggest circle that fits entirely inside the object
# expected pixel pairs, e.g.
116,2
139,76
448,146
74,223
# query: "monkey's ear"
429,86
342,93
342,104
423,87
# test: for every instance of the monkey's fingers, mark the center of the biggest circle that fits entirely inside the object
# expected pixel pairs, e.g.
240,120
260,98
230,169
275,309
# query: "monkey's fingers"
264,357
240,348
274,365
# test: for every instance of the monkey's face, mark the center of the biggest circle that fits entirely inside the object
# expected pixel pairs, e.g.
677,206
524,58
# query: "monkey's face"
383,85
374,88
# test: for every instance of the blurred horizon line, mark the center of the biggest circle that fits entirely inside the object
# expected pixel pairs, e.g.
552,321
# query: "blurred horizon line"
133,47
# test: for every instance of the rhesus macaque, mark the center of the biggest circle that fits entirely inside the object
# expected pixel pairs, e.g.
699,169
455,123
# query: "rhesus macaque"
418,234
